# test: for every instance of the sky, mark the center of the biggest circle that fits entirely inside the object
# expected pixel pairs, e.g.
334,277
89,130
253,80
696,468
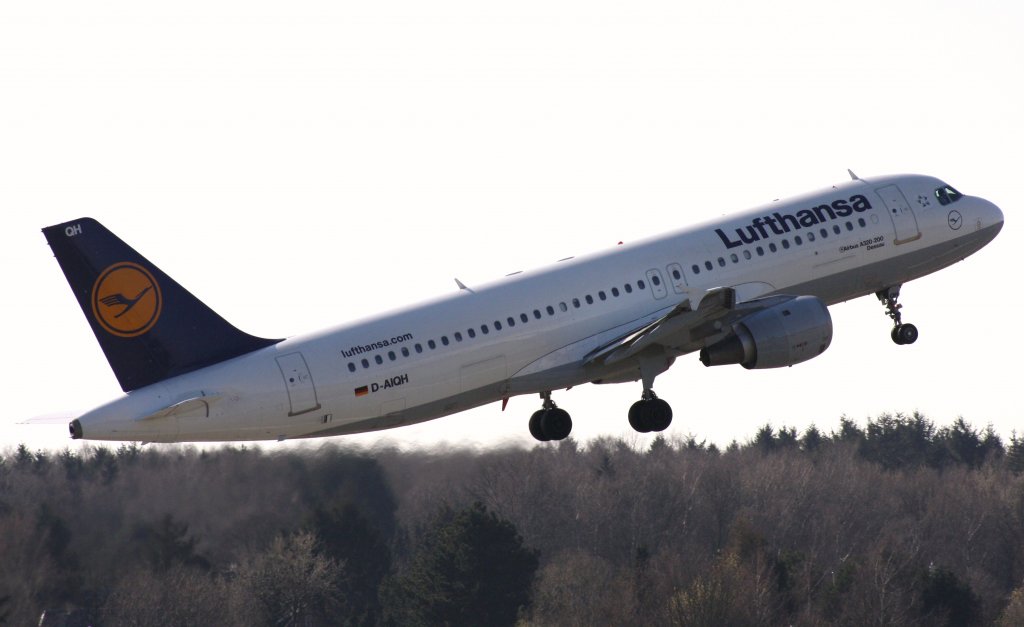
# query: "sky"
299,165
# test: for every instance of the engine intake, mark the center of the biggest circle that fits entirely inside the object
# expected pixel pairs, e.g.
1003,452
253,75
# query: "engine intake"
782,335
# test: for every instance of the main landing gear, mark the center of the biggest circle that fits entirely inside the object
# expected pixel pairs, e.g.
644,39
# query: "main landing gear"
550,423
901,333
650,413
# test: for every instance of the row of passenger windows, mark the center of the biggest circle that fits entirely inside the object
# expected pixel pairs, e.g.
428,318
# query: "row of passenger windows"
510,322
589,299
772,247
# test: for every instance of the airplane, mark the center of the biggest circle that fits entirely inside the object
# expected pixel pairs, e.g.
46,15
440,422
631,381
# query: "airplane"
751,289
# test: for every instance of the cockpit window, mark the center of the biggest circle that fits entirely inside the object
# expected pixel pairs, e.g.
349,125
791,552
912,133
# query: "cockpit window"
947,194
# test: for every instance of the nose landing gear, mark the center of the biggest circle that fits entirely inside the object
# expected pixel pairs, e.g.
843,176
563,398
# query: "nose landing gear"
901,333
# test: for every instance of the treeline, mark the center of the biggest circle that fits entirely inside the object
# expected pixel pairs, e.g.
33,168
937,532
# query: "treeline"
898,522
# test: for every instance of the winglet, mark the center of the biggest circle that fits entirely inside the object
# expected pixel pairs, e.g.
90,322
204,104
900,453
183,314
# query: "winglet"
149,327
852,175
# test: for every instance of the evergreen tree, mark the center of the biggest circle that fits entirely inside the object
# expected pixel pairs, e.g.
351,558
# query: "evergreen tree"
472,569
812,439
1015,454
347,537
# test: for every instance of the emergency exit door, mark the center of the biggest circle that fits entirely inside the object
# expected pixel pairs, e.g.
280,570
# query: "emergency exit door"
299,383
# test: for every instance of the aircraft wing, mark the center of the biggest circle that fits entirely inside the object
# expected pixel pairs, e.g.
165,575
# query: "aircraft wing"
683,329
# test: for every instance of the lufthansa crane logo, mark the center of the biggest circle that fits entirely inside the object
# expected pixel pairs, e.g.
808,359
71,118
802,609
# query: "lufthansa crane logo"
126,300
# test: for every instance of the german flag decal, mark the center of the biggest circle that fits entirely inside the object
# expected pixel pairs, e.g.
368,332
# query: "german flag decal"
362,391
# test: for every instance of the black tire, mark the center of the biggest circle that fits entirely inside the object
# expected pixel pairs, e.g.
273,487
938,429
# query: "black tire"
659,415
895,335
535,425
639,416
908,334
556,424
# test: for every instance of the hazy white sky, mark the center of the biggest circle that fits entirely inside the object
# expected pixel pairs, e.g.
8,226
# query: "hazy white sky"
298,165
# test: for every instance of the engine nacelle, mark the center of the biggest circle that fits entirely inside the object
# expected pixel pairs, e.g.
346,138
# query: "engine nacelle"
782,335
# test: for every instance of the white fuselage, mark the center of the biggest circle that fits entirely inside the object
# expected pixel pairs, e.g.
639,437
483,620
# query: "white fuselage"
530,332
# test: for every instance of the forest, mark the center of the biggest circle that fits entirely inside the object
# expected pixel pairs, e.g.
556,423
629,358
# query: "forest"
897,521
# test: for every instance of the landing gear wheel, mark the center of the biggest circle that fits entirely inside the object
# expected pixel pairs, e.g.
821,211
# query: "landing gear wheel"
660,415
535,425
550,423
650,414
638,417
905,334
556,424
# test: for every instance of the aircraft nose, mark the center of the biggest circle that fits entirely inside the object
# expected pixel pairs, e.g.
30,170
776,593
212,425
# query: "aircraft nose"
990,215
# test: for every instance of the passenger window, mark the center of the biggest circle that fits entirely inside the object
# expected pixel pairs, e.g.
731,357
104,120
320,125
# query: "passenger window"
511,321
365,363
405,352
576,303
523,317
458,336
391,355
378,359
676,274
497,325
484,329
772,247
641,285
590,299
418,347
735,258
444,340
721,262
798,240
536,314
615,292
655,280
849,226
351,367
861,222
602,295
810,236
471,332
746,254
836,229
695,269
824,232
628,288
551,310
563,307
785,243
431,344
760,251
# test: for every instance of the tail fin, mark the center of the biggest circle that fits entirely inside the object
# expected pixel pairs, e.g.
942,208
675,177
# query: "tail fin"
150,328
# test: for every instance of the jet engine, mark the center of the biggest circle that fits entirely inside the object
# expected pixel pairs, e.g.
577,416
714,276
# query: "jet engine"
782,335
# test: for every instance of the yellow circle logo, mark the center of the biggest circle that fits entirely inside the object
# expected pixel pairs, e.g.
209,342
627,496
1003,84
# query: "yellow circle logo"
126,299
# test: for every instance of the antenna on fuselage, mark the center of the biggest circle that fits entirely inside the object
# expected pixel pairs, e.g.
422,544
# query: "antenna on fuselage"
852,175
